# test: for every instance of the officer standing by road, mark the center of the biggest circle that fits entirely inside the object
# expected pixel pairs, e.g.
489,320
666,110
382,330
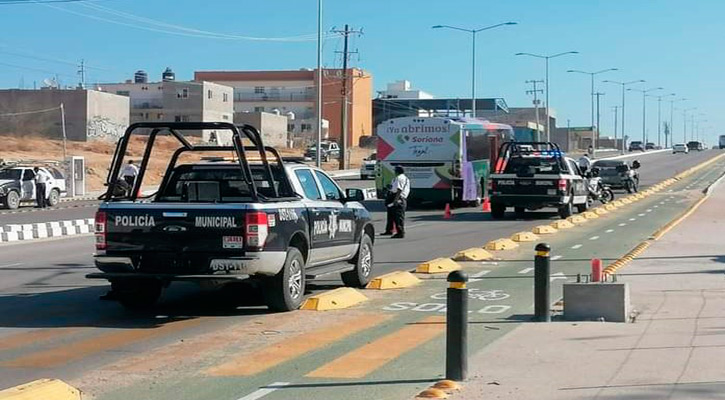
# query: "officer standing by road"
129,173
585,164
41,180
397,203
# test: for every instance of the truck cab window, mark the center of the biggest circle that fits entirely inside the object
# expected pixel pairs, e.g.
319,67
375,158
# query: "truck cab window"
309,186
331,190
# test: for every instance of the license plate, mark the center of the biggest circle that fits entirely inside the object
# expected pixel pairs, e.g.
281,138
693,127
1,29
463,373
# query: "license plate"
551,191
227,265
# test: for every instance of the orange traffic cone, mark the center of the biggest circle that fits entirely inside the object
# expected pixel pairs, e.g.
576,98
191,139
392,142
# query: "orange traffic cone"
486,205
447,212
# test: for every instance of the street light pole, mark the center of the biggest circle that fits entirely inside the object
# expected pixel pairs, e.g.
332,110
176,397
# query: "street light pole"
547,107
624,85
644,110
684,123
659,116
592,74
672,120
473,33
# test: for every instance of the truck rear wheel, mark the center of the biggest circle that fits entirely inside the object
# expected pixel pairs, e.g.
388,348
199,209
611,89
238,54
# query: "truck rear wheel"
286,290
566,210
498,211
137,294
360,276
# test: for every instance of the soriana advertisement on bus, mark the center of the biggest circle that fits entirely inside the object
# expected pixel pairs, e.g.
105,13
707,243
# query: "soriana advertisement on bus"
426,147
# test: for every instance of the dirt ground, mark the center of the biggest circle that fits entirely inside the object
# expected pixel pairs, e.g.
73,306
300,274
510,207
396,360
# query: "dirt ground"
98,155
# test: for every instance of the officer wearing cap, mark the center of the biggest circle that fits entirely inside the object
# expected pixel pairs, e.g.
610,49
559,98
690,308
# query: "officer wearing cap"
397,203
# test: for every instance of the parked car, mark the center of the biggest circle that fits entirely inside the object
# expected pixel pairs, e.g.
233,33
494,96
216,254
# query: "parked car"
636,146
329,150
617,174
367,169
17,185
680,148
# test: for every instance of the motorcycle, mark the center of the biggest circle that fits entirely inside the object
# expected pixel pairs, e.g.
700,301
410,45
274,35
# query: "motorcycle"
598,191
629,176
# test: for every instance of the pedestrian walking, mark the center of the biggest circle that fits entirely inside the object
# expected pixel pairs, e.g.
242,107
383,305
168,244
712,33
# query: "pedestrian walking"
129,174
41,180
397,202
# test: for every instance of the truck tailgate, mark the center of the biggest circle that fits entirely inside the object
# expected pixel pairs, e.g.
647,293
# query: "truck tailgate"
537,186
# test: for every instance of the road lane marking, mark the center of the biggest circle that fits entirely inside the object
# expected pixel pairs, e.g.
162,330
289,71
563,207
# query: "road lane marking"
554,258
477,276
594,238
656,206
526,270
641,215
288,349
264,391
576,246
623,224
11,265
25,338
633,219
609,231
558,275
76,350
368,358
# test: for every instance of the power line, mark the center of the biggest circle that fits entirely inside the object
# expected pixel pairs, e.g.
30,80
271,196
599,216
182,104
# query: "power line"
29,112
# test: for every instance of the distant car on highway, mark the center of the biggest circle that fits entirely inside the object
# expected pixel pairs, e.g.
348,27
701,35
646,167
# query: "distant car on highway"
17,185
328,151
650,146
367,169
636,146
617,174
695,145
680,148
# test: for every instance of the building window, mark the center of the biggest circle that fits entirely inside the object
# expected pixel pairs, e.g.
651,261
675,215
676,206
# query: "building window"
184,118
305,127
208,94
177,118
225,97
184,94
225,117
259,89
258,109
290,127
123,93
146,116
159,116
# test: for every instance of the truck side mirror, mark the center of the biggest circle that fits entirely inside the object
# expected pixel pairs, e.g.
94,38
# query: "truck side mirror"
353,194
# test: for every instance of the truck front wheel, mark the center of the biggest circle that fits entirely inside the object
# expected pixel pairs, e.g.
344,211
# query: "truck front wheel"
498,210
360,276
137,294
286,290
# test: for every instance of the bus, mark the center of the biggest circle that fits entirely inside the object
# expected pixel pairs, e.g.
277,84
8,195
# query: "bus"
721,142
446,159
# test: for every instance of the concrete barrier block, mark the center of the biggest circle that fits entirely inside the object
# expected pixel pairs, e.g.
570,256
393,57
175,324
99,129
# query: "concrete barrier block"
55,231
9,236
394,280
600,211
438,266
524,237
592,301
544,230
562,224
577,219
336,299
590,215
473,254
501,244
42,389
67,223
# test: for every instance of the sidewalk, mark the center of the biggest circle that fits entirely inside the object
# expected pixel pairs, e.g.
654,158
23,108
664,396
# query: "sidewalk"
675,349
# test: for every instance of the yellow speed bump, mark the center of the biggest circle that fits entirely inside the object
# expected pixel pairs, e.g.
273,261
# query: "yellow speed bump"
524,237
610,207
335,299
562,224
601,211
590,215
438,266
577,219
473,254
432,393
544,230
639,196
42,389
501,244
618,203
447,385
394,280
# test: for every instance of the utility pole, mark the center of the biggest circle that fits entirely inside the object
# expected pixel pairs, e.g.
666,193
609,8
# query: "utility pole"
62,125
343,131
318,156
616,109
535,92
82,74
595,135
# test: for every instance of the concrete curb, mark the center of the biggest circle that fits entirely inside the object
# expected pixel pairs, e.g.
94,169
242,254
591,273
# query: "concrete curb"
44,230
45,389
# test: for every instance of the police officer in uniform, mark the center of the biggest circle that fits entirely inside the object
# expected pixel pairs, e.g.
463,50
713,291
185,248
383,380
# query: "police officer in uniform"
41,180
396,202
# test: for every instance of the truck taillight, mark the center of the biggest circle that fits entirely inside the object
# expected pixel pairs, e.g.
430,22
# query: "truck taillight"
561,185
100,229
256,230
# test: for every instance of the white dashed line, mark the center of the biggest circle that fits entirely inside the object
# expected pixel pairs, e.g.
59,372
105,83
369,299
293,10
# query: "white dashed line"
609,231
623,224
641,215
576,246
558,275
477,276
633,219
594,238
264,391
656,206
649,210
554,258
526,270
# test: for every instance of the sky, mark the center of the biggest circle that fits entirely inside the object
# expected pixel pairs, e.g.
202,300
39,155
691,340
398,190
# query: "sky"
672,44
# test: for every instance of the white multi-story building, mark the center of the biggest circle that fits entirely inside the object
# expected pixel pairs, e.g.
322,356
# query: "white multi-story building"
402,90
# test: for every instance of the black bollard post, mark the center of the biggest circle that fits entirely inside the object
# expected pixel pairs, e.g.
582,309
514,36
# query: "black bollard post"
457,327
542,284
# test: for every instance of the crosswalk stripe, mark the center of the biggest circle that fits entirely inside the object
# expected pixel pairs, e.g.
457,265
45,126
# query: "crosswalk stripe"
25,338
368,358
288,349
83,348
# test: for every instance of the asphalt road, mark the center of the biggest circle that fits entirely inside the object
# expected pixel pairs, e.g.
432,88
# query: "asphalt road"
52,323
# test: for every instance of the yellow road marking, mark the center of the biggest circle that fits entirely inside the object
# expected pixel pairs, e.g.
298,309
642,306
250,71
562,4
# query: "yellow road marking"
288,349
374,355
96,344
26,338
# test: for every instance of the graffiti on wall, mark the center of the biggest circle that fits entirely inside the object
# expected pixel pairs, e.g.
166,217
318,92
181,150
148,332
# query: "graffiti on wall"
103,128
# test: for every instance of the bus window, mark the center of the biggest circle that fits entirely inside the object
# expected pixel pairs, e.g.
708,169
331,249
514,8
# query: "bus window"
477,146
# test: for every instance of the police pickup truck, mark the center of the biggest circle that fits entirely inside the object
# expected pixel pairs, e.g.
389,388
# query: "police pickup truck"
535,175
220,221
